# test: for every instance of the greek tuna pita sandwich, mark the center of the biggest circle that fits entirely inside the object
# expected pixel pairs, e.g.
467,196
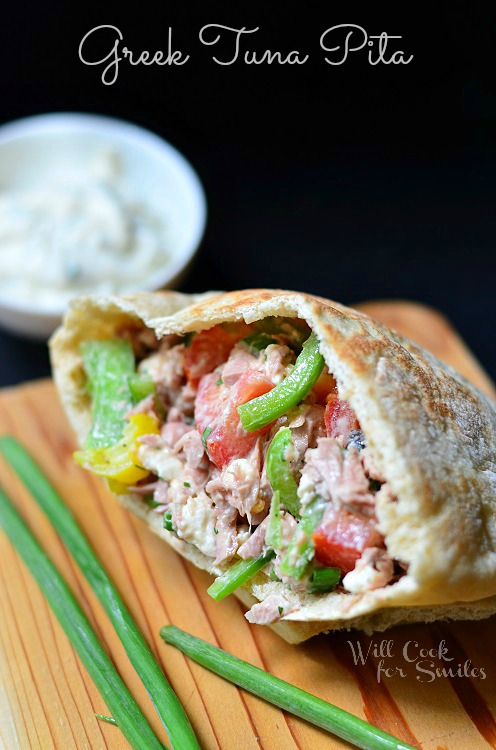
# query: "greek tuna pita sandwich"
330,472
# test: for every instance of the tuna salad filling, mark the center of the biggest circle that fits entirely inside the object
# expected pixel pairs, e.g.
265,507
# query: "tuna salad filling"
238,438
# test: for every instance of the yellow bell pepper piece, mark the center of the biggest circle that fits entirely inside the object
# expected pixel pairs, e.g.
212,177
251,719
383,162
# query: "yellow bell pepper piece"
119,462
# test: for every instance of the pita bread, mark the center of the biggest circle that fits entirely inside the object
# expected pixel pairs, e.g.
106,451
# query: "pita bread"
431,433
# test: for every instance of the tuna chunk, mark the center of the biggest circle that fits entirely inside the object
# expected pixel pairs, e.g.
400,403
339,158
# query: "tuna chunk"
190,443
338,476
239,483
274,362
185,400
323,471
145,406
172,432
226,541
271,610
354,489
241,359
166,367
369,465
254,545
306,428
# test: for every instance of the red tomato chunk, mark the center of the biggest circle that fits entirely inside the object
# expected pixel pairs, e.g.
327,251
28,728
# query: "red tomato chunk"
340,419
341,539
323,387
216,408
209,349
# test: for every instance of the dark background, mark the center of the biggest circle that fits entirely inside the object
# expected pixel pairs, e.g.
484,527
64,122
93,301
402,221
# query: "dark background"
353,182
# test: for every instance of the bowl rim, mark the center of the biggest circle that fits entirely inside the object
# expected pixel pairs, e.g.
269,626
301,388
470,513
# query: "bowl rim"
87,122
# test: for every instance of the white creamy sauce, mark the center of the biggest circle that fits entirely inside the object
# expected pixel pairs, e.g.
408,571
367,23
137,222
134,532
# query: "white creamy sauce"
82,230
244,533
362,578
306,491
161,461
196,525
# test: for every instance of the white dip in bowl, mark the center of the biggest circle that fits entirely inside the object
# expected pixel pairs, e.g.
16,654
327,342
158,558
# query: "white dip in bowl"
89,204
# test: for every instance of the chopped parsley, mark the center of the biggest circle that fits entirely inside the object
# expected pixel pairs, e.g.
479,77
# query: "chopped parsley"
168,521
219,382
280,610
188,338
259,341
150,501
206,432
186,484
216,531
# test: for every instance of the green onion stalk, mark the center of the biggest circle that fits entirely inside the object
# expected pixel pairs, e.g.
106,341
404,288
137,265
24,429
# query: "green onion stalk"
161,693
237,575
119,700
324,580
282,694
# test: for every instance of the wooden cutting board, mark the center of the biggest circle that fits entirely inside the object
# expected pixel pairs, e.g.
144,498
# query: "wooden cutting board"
48,701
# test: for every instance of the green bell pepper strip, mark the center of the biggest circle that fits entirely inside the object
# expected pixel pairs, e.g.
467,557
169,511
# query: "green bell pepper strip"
238,574
324,580
263,410
301,550
140,387
273,536
108,365
278,471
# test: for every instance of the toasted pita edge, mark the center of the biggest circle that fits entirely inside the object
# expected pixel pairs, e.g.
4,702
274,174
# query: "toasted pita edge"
432,434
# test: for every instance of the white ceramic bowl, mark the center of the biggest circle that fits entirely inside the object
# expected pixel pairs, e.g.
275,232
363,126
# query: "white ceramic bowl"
158,174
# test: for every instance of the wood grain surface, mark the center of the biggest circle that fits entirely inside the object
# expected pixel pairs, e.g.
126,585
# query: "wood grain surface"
48,701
